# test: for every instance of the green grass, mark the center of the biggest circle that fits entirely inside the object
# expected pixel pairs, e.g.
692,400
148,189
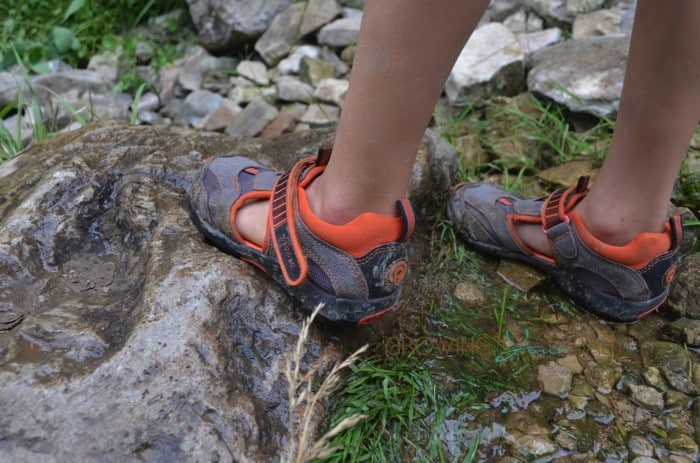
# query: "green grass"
43,30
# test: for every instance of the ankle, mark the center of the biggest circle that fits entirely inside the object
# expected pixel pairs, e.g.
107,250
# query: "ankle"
333,207
612,227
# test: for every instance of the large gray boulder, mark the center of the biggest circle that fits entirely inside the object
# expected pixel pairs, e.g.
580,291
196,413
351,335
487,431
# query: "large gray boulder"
125,335
222,24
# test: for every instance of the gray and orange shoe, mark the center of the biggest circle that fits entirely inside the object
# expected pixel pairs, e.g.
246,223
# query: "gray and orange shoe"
356,270
616,283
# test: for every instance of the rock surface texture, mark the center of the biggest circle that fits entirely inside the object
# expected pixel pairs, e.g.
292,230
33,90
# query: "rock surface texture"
123,334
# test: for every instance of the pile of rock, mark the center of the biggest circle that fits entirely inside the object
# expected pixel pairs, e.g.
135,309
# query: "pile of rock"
297,76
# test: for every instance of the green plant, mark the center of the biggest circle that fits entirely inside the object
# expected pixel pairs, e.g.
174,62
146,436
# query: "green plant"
43,30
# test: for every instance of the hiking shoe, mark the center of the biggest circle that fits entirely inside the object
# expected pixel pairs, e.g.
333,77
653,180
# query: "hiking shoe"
356,270
616,283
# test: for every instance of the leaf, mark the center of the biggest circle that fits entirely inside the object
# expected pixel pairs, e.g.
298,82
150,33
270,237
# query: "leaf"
62,38
74,6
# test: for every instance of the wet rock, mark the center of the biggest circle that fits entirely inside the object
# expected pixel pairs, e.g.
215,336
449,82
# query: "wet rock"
490,63
584,75
222,24
341,32
603,377
683,445
647,397
314,71
676,400
685,291
253,119
679,382
469,294
320,115
554,379
652,376
683,331
664,355
566,174
332,91
645,460
254,71
139,339
522,276
297,20
535,446
292,89
640,446
600,412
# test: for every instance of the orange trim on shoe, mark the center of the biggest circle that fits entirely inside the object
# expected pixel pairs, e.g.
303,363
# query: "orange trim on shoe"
636,254
512,220
357,237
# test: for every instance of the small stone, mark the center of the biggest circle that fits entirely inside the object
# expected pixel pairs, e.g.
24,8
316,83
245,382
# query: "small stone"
492,62
291,64
469,294
571,362
522,276
199,104
679,382
599,412
683,331
565,439
652,376
332,91
285,121
685,291
314,70
243,95
555,379
598,23
535,41
470,151
664,355
535,446
224,116
578,401
676,400
292,89
320,115
647,397
603,377
640,446
516,22
683,445
348,54
680,459
645,460
341,32
254,71
601,353
149,102
567,174
253,119
106,64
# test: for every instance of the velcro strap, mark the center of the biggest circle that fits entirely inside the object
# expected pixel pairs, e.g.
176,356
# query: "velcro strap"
284,236
551,214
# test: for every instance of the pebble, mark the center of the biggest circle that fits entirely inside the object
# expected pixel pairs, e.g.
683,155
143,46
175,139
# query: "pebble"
640,446
290,88
652,376
254,71
603,378
535,446
469,294
571,362
647,397
332,91
314,70
555,379
320,115
341,32
253,119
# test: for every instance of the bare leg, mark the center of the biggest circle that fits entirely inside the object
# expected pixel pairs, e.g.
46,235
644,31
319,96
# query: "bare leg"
659,111
405,51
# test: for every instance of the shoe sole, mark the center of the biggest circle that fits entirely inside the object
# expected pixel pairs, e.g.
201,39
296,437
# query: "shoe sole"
604,306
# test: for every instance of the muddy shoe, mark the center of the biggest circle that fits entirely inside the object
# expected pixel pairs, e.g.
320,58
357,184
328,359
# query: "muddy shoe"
616,283
356,270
